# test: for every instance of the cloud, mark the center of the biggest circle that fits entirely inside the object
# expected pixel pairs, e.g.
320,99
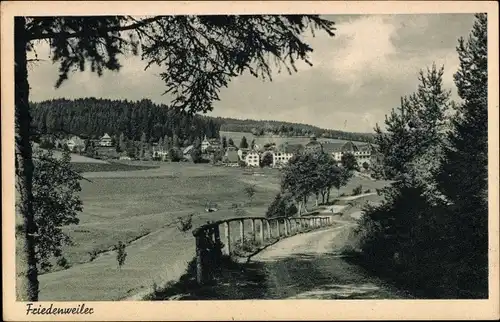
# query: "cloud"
358,75
367,51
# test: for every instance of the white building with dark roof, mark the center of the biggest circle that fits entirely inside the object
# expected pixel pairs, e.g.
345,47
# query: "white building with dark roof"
105,140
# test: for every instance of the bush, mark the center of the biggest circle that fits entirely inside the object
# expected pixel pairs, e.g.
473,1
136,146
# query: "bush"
357,191
121,254
368,191
245,247
63,262
93,255
282,206
185,224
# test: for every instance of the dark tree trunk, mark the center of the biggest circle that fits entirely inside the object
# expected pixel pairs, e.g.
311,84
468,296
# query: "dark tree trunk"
328,196
305,204
27,273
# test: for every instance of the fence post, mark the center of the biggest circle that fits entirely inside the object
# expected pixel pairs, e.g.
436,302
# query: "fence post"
228,238
285,222
278,231
261,233
252,222
268,226
217,243
199,258
242,231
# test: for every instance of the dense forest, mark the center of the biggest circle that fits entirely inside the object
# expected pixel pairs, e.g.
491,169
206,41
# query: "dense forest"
92,117
260,128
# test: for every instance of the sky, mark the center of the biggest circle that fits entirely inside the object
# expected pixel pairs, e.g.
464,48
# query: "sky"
357,76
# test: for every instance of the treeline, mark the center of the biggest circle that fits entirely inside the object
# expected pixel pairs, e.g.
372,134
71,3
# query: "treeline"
92,117
260,128
430,235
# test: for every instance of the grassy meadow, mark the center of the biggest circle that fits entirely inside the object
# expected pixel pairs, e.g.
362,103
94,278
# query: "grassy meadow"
139,207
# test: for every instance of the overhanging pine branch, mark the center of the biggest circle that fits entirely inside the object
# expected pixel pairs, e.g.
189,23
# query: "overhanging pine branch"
68,35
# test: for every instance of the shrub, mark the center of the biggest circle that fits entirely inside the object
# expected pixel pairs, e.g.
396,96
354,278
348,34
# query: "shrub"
282,206
185,224
93,255
357,191
63,262
368,191
245,247
121,254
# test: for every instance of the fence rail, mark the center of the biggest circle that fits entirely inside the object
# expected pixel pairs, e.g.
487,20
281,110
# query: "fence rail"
210,247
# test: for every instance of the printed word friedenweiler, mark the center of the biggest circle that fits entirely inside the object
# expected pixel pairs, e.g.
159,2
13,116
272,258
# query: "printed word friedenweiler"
39,309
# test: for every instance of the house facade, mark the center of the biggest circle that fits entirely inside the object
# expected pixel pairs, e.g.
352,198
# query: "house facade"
231,157
242,153
75,144
281,158
159,153
252,159
313,146
105,140
213,144
362,152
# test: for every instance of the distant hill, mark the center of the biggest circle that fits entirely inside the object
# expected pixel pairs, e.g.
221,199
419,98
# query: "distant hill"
288,129
92,117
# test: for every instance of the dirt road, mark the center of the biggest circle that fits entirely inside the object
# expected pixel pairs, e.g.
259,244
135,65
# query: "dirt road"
310,266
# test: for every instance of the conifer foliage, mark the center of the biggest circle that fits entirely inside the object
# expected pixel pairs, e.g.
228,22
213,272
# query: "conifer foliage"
198,54
430,234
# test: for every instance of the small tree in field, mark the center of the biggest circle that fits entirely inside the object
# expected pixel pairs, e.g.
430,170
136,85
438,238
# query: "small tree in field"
244,143
349,161
121,254
250,192
266,160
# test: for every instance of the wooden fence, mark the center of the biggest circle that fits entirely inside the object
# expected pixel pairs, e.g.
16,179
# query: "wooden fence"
210,245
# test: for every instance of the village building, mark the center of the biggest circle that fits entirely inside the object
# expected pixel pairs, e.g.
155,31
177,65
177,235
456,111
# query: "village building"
293,148
210,143
159,152
252,159
242,153
75,144
313,146
187,152
125,157
231,157
281,158
362,152
105,140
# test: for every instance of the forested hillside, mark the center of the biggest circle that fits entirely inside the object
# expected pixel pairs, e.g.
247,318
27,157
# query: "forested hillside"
93,117
259,128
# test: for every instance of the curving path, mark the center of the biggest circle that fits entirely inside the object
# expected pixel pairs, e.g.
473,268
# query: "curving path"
309,266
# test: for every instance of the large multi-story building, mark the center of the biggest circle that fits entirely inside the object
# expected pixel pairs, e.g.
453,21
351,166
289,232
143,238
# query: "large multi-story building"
281,158
362,152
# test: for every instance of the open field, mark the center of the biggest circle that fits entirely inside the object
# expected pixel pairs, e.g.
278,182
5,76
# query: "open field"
261,140
140,207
